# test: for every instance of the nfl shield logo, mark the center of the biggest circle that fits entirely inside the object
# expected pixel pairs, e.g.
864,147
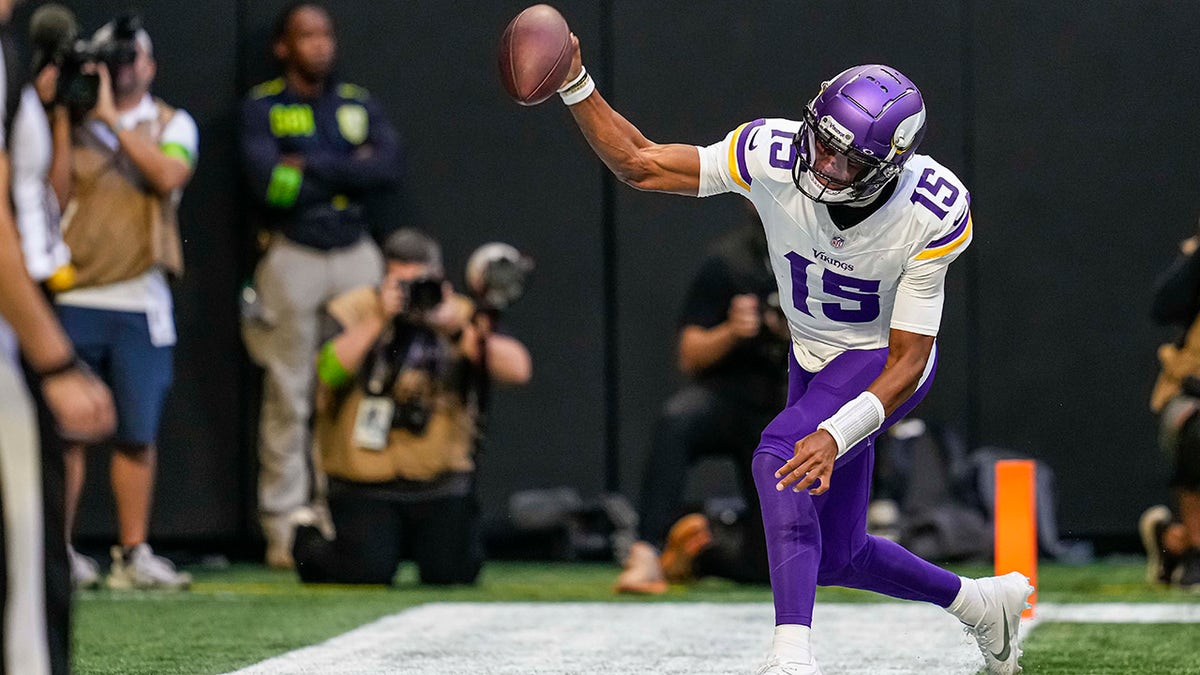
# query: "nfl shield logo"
838,242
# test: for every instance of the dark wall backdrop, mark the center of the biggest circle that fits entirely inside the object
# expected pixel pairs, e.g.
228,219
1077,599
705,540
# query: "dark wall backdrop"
1072,129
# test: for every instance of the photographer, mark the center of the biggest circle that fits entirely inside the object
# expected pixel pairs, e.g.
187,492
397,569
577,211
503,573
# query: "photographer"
396,424
41,151
132,155
733,344
1171,536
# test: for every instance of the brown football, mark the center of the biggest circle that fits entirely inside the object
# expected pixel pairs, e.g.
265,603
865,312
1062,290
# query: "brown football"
535,54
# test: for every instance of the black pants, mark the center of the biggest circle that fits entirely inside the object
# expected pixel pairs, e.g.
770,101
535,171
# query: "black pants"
373,535
1186,475
698,422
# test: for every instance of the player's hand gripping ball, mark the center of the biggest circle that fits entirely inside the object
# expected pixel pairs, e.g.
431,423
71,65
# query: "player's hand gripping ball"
535,54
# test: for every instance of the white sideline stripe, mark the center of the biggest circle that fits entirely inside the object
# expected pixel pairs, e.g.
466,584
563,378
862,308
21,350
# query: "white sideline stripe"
632,639
666,639
1120,612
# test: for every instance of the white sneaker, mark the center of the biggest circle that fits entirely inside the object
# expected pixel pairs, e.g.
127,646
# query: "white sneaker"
774,666
1004,598
143,569
85,572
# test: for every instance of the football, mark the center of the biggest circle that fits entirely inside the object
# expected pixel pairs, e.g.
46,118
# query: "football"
534,54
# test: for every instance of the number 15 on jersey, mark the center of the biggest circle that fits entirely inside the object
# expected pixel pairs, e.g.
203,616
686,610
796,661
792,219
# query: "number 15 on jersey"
858,299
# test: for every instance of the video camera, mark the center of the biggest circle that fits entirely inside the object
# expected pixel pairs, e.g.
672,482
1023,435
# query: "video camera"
54,35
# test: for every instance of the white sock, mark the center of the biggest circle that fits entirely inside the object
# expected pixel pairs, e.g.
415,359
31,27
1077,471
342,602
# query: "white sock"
792,643
968,604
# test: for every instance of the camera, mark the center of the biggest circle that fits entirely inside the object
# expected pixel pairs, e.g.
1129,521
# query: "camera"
79,90
411,415
496,275
421,295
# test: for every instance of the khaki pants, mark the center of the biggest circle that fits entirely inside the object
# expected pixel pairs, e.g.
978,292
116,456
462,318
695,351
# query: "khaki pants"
293,284
25,646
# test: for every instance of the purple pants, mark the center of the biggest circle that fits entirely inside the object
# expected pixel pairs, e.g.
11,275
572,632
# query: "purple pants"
823,540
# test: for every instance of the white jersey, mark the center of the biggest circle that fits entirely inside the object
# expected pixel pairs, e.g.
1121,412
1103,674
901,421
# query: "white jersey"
845,289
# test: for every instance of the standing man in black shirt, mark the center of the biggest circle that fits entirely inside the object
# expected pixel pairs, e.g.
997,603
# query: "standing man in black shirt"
733,345
313,147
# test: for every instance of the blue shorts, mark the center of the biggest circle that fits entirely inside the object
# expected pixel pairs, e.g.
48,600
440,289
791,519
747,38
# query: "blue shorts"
116,345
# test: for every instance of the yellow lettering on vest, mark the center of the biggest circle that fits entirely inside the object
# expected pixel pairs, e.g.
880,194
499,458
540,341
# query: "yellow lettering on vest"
292,120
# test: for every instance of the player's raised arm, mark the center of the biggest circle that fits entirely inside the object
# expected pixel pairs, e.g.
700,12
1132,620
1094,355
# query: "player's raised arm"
633,158
539,56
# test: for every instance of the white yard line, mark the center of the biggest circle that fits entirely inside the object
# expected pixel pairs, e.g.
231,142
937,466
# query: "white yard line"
662,638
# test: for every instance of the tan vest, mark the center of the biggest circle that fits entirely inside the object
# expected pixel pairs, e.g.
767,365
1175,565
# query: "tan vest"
116,225
446,445
1177,364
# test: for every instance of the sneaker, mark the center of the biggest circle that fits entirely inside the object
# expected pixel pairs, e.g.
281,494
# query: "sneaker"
85,572
774,666
280,532
642,573
687,537
1160,564
1004,598
140,568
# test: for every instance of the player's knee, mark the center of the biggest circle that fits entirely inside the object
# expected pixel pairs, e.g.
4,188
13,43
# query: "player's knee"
787,516
763,466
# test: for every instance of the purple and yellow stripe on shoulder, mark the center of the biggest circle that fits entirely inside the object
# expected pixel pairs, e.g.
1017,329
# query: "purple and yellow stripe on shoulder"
737,153
941,246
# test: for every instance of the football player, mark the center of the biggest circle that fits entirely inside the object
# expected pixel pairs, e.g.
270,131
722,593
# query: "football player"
860,231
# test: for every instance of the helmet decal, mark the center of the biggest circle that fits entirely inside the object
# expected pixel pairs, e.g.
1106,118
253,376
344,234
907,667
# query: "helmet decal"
908,131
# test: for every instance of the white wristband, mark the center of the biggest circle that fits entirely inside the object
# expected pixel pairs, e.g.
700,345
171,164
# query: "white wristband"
853,422
578,89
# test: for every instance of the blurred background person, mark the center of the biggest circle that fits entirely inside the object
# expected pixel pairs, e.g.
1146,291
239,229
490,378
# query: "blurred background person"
733,347
41,151
313,147
33,561
397,417
1171,537
40,163
132,155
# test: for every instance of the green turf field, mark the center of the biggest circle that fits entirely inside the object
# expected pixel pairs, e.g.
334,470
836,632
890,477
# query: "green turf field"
238,616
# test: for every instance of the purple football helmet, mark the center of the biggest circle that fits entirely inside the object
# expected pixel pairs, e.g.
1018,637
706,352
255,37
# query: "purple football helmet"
857,134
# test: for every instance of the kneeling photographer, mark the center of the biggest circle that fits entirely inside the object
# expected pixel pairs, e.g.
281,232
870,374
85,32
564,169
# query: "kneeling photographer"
398,407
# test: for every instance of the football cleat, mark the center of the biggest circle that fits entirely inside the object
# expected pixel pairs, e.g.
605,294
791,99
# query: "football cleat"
1004,598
